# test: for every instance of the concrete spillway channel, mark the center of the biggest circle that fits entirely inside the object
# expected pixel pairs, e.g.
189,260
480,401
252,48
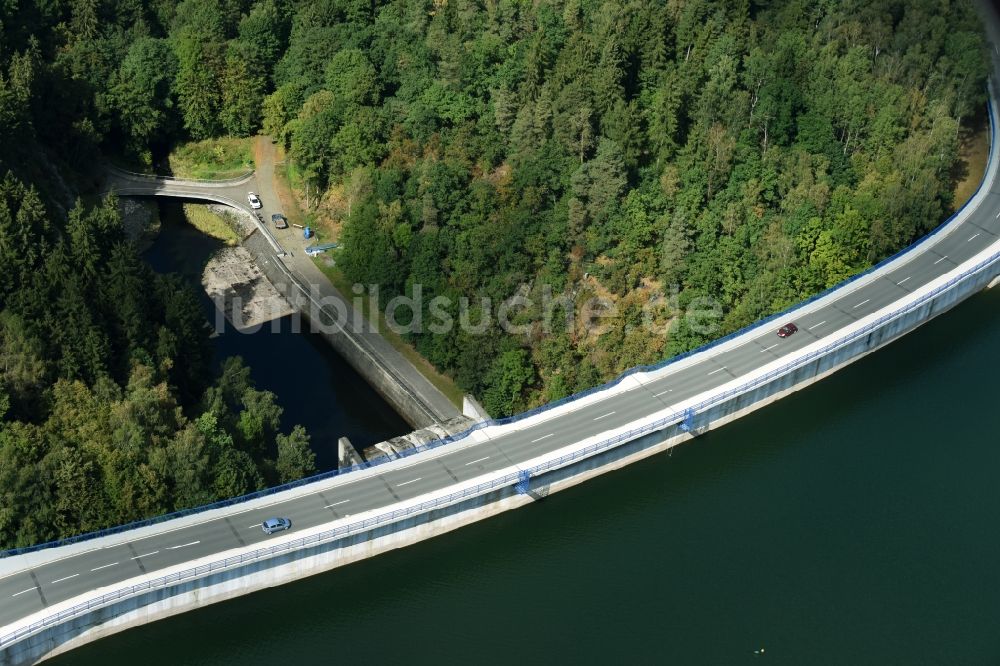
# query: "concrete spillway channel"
299,282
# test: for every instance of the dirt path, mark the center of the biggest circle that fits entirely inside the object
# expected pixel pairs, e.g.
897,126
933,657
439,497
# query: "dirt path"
277,198
263,155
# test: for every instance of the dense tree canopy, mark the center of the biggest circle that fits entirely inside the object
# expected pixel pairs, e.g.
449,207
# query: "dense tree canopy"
712,156
749,152
108,406
109,411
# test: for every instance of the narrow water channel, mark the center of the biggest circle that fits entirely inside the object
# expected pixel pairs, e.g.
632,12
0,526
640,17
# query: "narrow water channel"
313,383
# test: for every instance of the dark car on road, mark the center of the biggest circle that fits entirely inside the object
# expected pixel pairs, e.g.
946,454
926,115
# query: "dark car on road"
787,330
272,525
280,221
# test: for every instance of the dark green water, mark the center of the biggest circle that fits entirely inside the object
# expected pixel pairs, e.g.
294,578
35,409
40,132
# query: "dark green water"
856,522
314,385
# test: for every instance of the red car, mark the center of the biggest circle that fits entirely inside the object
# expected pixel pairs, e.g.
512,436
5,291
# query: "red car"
787,330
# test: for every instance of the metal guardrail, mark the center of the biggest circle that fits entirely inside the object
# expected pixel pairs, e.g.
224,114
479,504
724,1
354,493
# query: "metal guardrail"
215,198
757,324
518,417
222,182
390,517
364,346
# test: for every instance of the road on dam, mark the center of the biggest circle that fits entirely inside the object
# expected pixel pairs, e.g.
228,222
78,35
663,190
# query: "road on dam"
425,404
83,570
31,590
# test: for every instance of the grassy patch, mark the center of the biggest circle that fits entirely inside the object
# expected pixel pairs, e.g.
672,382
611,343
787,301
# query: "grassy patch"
292,174
973,153
288,174
283,186
209,223
212,159
285,179
442,382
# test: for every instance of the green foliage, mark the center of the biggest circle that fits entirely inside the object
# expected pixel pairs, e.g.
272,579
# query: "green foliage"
358,142
242,94
280,109
295,459
211,158
107,414
312,138
199,85
263,33
352,78
662,155
107,408
142,93
693,149
508,377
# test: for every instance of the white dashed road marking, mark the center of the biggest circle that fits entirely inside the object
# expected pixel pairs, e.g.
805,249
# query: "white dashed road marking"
104,566
59,580
940,260
183,545
337,503
657,395
24,591
816,325
768,348
477,461
156,551
903,280
404,483
719,370
862,303
603,416
542,437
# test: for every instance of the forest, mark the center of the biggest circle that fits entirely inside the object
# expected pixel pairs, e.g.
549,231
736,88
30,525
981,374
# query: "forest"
110,411
652,154
112,408
656,155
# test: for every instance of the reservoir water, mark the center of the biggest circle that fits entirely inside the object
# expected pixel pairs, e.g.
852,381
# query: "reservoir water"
855,522
314,385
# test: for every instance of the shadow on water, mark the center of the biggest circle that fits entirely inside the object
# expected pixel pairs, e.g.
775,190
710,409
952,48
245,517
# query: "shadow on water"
313,383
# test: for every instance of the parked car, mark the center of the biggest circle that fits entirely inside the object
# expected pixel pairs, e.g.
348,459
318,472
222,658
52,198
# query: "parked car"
254,200
280,221
787,330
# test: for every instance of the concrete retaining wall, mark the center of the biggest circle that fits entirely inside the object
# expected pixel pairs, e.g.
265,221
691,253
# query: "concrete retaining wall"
403,401
289,566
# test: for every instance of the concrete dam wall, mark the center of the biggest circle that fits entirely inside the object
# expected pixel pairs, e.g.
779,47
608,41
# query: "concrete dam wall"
206,582
352,347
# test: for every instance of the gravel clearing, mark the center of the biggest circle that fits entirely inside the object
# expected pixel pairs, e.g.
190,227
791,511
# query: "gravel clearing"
238,288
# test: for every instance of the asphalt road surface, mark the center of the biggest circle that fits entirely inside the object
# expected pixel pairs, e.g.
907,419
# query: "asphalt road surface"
432,406
32,590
